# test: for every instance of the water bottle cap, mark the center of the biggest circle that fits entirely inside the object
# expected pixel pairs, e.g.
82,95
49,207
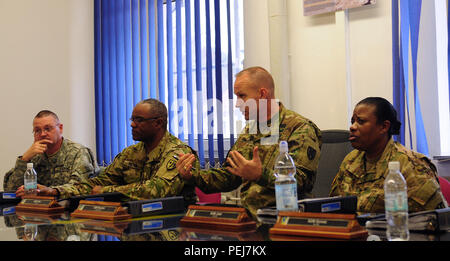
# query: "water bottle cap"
284,146
29,165
394,165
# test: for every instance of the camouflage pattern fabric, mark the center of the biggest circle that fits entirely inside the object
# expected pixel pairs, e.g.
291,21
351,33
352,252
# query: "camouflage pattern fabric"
72,163
140,175
356,177
304,140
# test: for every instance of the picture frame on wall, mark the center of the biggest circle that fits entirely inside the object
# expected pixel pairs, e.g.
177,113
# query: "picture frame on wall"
315,7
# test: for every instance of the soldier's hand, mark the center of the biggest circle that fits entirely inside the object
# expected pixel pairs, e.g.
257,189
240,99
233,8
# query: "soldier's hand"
20,191
46,191
38,147
184,165
41,191
247,169
97,190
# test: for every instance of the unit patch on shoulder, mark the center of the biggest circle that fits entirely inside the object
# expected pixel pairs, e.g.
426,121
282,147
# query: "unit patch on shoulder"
171,164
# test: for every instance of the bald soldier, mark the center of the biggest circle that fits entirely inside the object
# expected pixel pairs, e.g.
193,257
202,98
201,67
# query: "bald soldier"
57,160
251,160
143,171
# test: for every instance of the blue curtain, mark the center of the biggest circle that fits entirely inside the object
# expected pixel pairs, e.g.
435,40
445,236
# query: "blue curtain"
405,31
142,50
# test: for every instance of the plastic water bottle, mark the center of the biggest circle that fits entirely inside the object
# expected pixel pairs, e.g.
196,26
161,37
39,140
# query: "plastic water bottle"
30,180
396,204
285,182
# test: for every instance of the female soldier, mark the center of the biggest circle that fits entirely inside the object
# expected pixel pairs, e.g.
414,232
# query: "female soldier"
363,170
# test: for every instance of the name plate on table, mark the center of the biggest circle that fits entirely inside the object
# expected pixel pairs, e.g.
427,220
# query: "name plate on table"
218,217
72,203
324,225
39,204
101,210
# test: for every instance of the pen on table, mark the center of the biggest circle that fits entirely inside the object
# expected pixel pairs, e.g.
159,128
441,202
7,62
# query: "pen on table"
176,157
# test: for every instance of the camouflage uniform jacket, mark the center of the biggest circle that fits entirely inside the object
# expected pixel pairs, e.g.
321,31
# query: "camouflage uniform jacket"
140,175
368,185
72,163
304,139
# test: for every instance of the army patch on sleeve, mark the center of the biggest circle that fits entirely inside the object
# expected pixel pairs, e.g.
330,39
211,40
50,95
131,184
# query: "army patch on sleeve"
171,164
311,153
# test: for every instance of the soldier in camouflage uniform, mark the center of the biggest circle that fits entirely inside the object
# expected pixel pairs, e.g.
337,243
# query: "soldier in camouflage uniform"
363,171
57,160
251,160
145,170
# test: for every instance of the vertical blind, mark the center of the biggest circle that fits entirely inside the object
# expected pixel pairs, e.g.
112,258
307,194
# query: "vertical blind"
405,31
182,53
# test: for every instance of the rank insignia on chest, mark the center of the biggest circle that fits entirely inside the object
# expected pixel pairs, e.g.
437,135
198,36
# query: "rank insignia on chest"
171,164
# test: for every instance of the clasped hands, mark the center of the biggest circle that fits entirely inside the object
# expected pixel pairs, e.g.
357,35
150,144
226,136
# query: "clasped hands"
239,166
46,191
41,190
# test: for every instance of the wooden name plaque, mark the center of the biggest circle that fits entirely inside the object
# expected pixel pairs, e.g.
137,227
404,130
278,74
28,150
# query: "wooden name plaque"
324,225
39,204
218,218
101,210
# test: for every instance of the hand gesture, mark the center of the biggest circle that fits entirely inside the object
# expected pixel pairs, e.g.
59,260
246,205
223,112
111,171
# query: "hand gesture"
38,147
97,190
247,169
184,165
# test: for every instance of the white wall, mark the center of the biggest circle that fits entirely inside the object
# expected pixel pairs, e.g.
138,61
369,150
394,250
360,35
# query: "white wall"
337,59
46,62
325,79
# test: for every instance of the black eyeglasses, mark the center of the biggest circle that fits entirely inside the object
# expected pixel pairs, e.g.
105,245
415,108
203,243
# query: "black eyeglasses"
140,119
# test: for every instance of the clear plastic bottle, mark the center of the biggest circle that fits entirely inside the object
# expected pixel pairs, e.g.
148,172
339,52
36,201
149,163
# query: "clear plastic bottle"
30,180
396,204
285,182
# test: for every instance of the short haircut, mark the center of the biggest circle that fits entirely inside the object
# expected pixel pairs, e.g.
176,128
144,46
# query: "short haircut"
384,111
260,77
45,113
157,107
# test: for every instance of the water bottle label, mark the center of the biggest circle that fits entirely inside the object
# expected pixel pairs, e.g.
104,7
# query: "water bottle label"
30,185
396,202
286,196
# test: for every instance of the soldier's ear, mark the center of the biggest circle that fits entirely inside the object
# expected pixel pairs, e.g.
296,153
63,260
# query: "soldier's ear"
385,126
160,122
263,93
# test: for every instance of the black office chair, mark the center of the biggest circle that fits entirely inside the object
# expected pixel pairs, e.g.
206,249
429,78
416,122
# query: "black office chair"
335,146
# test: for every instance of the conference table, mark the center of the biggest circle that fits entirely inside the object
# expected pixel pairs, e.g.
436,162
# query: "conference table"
23,226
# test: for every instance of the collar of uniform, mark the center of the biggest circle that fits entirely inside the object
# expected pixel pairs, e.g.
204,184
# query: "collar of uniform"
360,157
155,154
53,158
255,127
385,157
